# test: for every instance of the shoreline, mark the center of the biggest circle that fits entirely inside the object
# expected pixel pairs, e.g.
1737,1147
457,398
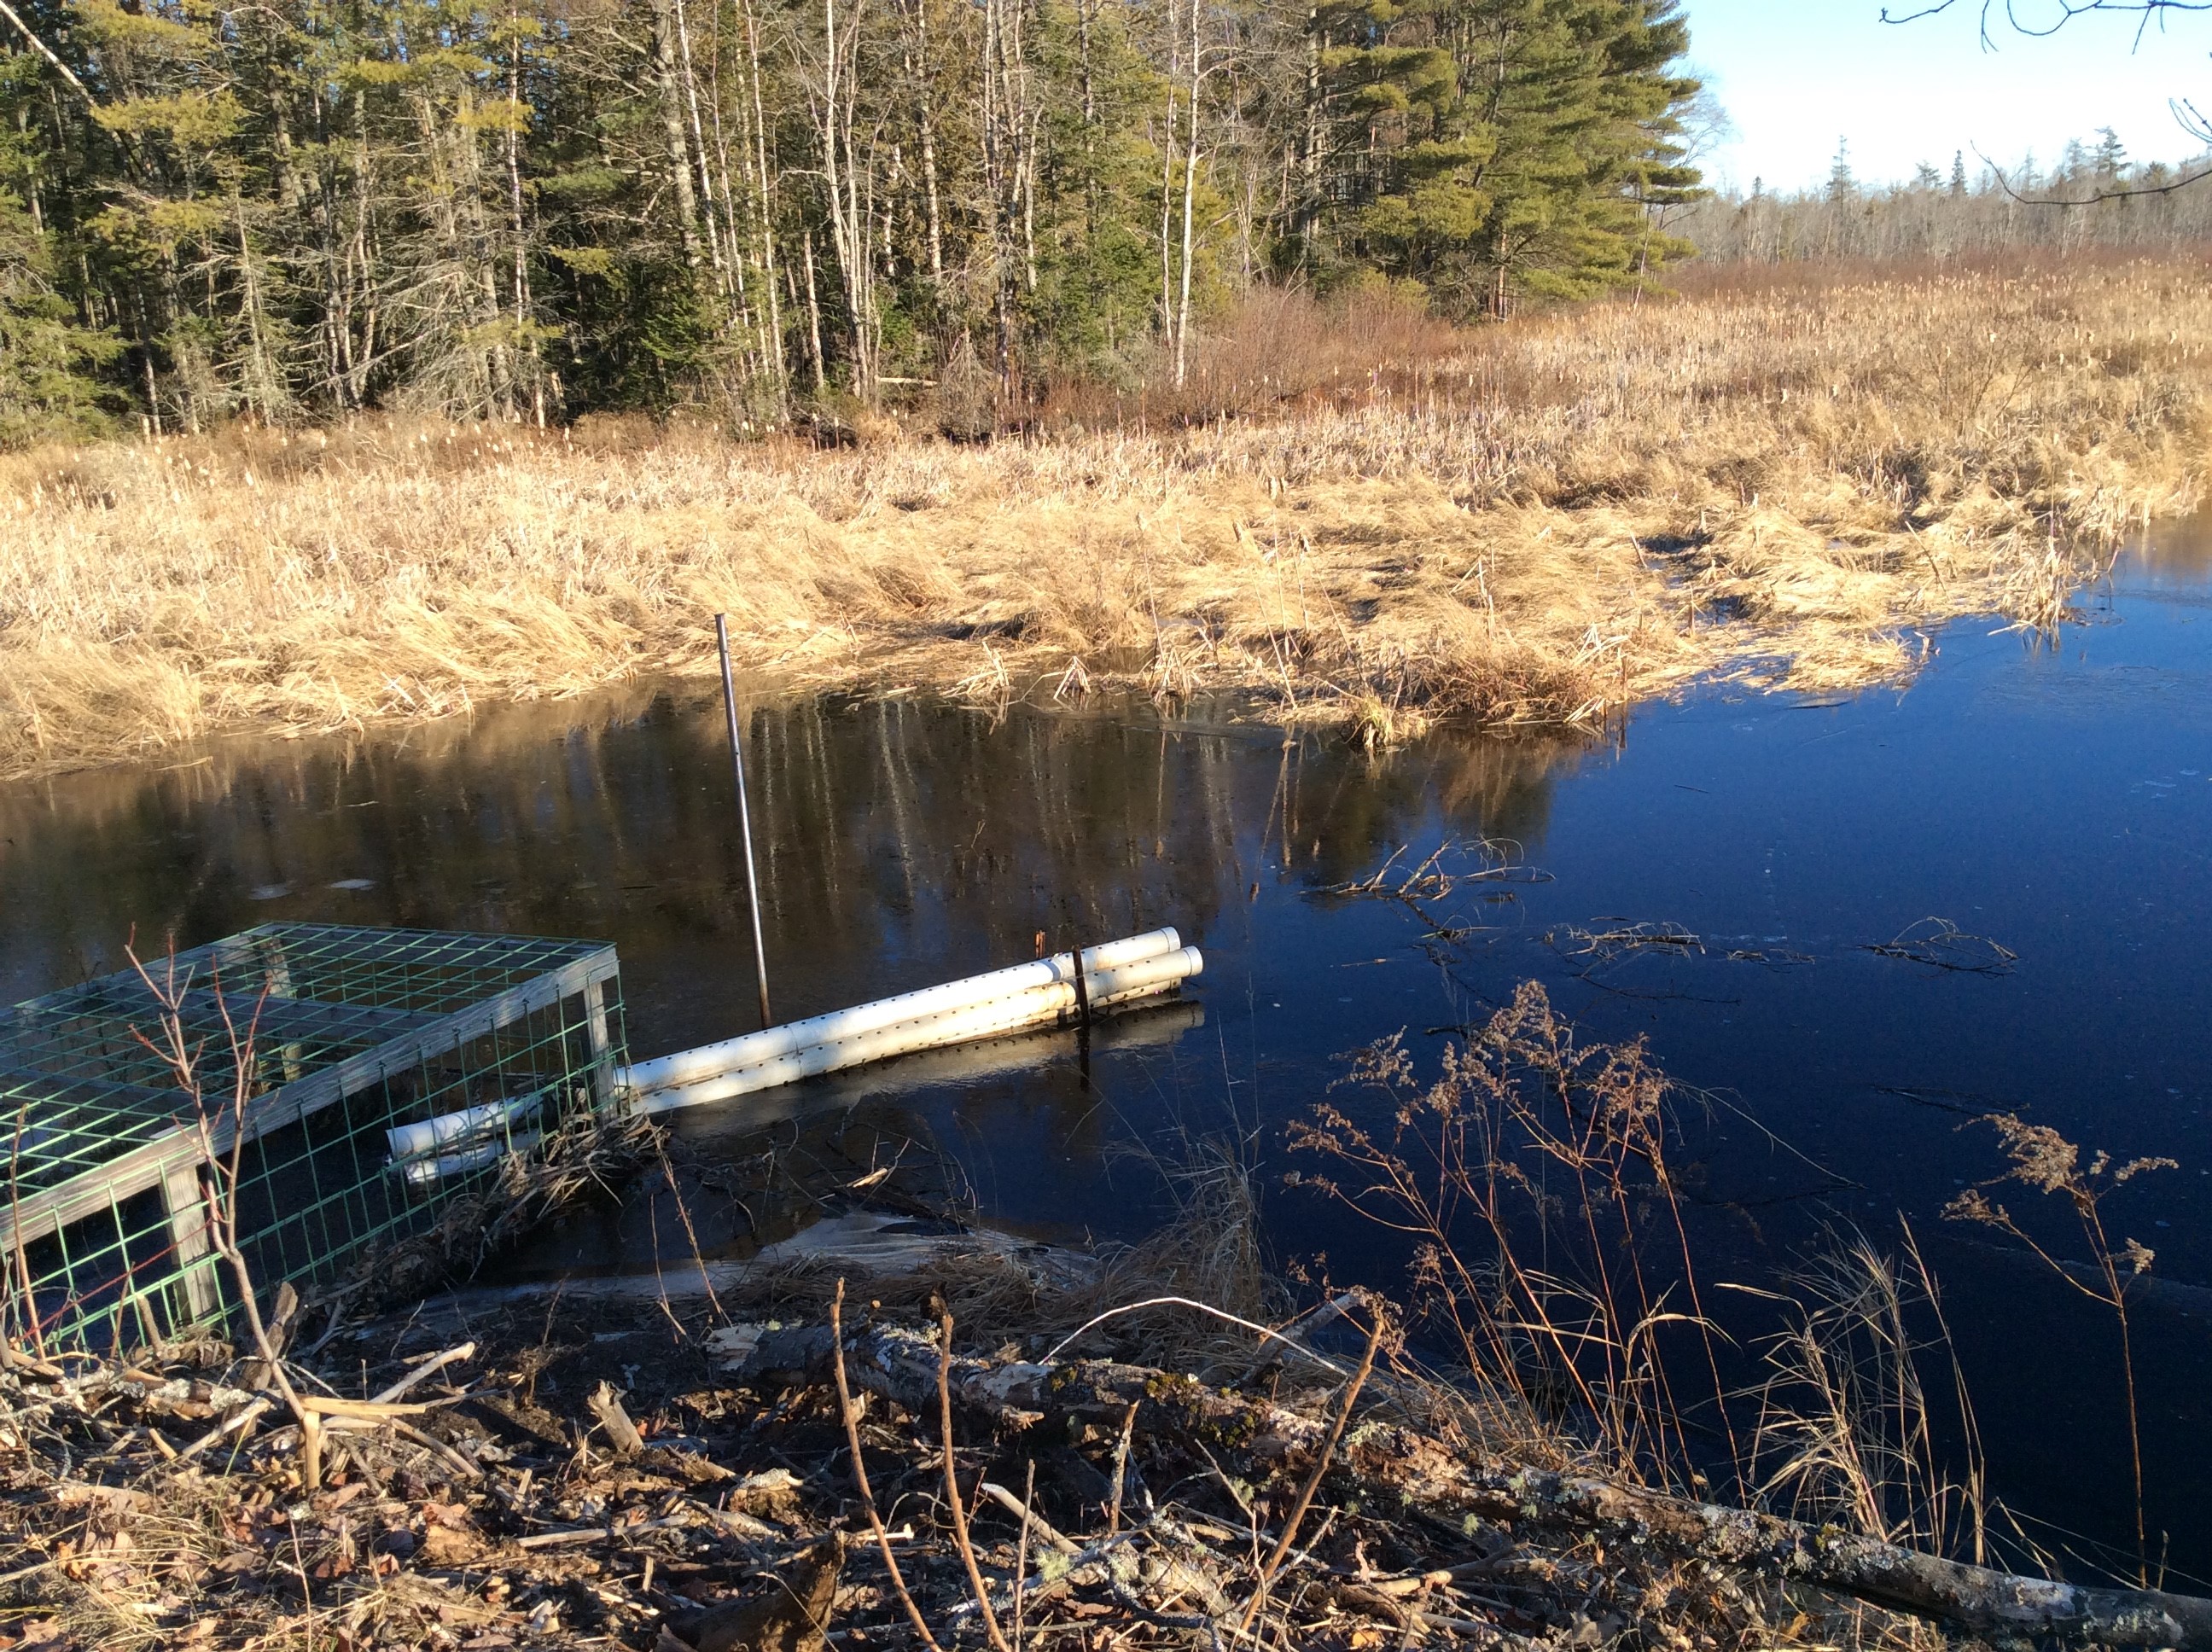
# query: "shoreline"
519,1484
1785,490
1211,707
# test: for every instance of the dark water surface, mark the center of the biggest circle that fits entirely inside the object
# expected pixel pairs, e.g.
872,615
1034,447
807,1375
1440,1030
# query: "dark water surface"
2056,799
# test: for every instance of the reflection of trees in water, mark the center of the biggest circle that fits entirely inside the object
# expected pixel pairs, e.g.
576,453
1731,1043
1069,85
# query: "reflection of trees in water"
901,843
1338,810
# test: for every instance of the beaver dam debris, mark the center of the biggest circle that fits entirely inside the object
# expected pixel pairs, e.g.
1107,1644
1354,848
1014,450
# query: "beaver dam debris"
906,1464
1941,944
886,1429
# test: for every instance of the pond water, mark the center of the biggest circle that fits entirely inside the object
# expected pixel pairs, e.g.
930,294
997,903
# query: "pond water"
2054,798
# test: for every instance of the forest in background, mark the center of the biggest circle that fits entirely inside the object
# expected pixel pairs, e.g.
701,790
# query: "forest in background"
756,210
308,207
2092,197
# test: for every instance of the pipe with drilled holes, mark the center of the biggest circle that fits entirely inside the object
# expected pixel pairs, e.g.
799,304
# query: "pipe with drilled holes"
982,1006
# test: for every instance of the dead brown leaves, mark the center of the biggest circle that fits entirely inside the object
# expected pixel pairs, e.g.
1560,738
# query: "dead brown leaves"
695,1544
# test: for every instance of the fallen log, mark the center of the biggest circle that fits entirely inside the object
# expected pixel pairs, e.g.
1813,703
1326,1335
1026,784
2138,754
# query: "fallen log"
1421,1475
863,1244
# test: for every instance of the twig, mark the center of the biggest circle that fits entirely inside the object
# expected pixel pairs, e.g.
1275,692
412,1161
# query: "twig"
860,1472
311,1450
683,1212
1121,1470
183,1060
566,1535
952,1484
436,1362
1186,1301
373,1411
1941,943
1022,1553
1028,1517
237,1419
1313,1481
461,1465
33,1570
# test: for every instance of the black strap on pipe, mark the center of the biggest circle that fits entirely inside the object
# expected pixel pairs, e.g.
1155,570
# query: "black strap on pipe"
1082,991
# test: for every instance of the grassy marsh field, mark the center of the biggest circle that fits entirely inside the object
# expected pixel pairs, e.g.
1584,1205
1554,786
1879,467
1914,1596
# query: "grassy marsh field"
1368,521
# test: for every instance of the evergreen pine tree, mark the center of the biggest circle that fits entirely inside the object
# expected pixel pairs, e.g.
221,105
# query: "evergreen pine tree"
2110,158
307,208
1842,186
48,390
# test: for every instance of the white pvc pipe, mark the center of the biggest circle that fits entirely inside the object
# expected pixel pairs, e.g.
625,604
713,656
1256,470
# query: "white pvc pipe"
421,1172
409,1141
878,1038
710,1061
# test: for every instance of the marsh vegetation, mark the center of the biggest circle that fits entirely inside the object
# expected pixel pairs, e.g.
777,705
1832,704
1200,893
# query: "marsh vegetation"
1358,519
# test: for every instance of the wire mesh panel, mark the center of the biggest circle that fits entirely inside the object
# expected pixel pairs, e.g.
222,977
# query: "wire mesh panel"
358,1079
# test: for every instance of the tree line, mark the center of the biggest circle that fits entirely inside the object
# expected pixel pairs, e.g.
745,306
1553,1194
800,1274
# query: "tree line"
2093,196
529,210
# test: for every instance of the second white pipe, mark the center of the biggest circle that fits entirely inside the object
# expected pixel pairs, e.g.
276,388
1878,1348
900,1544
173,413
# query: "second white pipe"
412,1141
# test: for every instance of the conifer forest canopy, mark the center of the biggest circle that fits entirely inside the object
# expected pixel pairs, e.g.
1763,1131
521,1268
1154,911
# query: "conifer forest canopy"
539,209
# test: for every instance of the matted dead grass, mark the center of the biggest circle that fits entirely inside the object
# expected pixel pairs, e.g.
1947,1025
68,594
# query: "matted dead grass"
1540,523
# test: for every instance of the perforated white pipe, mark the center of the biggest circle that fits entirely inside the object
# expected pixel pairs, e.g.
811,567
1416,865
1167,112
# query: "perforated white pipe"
957,1012
423,1172
466,1127
983,1006
710,1060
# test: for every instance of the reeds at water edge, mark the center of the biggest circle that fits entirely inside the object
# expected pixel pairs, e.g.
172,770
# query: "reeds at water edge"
1357,520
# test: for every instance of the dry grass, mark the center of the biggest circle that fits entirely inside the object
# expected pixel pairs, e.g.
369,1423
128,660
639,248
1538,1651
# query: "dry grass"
1526,526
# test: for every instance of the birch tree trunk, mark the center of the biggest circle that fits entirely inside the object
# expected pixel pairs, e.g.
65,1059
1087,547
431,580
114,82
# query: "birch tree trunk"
526,345
1167,221
814,317
764,199
921,70
719,241
1307,210
672,122
1189,191
848,228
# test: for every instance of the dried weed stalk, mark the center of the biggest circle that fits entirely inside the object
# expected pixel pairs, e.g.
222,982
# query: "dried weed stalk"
2045,1161
224,1117
1845,1429
1533,1145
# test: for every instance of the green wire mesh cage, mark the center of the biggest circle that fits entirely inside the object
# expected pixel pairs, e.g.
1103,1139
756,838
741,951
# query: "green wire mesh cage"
360,1079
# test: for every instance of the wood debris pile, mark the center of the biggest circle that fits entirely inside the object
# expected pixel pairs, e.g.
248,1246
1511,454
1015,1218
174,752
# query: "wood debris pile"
652,1486
658,1483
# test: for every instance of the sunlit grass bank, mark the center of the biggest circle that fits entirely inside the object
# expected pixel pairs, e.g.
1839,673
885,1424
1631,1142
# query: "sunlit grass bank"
1375,527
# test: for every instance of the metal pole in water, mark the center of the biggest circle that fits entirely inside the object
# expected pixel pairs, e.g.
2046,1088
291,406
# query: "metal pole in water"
745,814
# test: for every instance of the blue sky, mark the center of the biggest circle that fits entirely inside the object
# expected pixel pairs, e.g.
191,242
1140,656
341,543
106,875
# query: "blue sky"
1796,75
